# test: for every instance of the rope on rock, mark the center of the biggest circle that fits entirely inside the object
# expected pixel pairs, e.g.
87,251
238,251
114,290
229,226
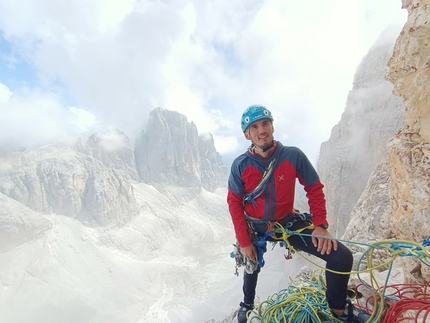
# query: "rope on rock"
306,303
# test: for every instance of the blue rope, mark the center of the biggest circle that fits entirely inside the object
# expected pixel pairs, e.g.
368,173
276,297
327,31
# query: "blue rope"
304,305
426,242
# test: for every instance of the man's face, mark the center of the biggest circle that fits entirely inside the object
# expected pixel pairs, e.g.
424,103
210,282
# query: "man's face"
260,133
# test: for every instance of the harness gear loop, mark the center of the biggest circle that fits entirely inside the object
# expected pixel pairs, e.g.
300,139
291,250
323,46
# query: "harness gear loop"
262,231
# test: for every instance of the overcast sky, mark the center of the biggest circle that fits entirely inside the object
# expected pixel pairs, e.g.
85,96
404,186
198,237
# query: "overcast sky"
72,68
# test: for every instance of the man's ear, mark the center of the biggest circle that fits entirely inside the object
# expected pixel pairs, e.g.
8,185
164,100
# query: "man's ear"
246,133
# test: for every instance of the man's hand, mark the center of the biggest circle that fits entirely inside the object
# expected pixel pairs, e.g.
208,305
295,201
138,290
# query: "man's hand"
324,246
249,252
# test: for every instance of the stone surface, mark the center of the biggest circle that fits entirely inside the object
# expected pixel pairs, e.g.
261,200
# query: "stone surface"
59,179
358,142
170,152
409,67
19,224
409,150
370,217
114,149
213,171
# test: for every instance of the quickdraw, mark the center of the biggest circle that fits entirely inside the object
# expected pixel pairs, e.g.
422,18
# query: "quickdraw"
242,261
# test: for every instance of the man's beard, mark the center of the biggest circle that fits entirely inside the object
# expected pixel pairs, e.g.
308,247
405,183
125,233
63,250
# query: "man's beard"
265,147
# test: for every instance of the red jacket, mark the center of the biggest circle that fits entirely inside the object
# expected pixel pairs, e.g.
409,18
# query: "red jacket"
277,199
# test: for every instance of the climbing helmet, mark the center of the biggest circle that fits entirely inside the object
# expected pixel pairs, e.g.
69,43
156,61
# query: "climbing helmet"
253,113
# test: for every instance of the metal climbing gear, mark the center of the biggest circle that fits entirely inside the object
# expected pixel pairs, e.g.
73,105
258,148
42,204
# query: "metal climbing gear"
242,261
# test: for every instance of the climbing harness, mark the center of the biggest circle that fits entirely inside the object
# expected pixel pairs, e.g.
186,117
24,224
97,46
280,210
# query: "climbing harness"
262,231
273,231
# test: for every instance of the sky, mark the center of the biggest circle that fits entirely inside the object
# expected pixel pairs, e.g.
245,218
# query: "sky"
74,68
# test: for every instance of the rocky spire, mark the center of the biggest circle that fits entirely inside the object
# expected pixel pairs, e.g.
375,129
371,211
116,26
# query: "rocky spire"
170,152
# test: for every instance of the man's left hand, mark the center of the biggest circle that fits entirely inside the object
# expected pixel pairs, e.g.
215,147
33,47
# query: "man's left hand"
324,246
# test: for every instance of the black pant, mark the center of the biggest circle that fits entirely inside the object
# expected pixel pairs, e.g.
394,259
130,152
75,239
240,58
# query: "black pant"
337,284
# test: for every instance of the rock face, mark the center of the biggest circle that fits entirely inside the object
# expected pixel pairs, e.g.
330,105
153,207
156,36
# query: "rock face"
93,182
213,171
19,224
396,202
114,149
59,179
170,152
409,150
358,142
370,217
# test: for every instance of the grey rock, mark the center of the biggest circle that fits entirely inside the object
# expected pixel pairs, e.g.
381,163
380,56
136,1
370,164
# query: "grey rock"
59,179
213,171
358,142
170,152
370,217
114,149
19,224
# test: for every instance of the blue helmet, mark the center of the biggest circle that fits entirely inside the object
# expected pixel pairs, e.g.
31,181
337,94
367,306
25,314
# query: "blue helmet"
253,113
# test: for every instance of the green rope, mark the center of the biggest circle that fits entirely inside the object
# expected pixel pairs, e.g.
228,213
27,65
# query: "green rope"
304,303
307,303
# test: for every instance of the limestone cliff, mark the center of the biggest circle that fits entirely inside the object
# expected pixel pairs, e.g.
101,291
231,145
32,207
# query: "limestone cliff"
170,152
213,171
358,142
59,179
409,150
114,149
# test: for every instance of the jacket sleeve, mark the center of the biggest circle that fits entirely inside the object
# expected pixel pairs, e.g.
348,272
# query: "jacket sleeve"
235,206
317,204
308,177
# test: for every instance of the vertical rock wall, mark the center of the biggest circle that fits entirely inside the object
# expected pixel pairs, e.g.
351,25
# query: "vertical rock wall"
409,151
171,152
358,142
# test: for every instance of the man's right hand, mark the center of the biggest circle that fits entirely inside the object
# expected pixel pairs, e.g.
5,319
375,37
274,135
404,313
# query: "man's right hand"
249,252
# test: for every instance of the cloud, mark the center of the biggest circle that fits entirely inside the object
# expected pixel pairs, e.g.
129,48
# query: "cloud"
226,145
209,60
83,120
5,94
31,118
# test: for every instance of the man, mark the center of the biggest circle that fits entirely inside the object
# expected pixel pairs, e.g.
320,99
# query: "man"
275,201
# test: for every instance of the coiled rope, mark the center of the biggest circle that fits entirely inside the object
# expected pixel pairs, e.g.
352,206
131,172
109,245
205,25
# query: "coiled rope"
307,303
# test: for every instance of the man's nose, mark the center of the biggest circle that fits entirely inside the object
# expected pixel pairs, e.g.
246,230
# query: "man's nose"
261,129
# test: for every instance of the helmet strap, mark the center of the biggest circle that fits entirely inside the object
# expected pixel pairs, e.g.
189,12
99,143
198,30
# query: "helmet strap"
268,147
254,146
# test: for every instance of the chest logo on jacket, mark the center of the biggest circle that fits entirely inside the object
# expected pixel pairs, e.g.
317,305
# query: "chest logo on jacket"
281,178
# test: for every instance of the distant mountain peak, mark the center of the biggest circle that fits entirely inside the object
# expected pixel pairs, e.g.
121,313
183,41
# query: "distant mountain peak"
170,152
